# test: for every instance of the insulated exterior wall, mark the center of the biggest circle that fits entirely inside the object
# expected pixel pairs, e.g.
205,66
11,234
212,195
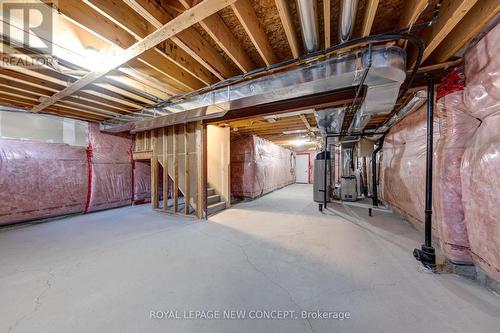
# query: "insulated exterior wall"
259,166
142,182
456,130
404,164
39,180
480,169
111,170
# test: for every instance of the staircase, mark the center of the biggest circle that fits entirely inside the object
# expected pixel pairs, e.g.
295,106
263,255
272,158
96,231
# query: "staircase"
214,202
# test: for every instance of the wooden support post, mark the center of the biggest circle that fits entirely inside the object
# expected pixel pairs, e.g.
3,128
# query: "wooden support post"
175,172
154,170
201,185
187,173
165,169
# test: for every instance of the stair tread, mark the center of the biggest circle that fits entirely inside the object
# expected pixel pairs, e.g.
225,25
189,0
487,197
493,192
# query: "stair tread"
220,203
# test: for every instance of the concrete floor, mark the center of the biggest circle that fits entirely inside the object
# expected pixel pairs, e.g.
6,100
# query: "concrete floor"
106,271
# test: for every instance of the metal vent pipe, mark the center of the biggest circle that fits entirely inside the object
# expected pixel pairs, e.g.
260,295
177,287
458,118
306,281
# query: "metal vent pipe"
308,15
347,17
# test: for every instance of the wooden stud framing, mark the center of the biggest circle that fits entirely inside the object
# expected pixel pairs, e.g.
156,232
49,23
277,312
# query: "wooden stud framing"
175,176
201,183
187,172
155,201
165,169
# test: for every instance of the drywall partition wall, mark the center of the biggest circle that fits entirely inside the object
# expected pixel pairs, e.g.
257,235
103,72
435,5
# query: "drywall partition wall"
480,170
39,180
259,166
218,160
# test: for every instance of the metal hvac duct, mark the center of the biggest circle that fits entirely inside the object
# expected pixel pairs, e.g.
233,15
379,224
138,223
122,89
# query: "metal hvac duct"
308,14
387,69
347,17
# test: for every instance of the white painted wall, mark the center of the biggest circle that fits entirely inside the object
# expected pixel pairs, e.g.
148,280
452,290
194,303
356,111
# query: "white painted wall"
218,161
43,128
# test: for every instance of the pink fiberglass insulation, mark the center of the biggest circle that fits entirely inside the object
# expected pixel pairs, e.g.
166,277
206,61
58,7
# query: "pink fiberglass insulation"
456,130
142,182
403,171
259,166
111,170
402,176
481,160
39,180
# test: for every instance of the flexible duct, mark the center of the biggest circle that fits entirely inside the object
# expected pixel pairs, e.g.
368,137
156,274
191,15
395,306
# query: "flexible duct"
347,17
308,15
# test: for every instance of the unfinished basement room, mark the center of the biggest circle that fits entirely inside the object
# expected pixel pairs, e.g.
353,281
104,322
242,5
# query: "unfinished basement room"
250,166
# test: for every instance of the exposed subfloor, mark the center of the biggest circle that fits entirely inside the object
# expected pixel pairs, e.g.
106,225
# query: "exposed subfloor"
105,272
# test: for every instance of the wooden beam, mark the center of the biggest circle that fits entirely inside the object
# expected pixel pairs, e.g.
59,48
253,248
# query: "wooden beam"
165,168
175,176
181,22
224,38
286,21
155,201
470,25
327,22
190,41
248,19
451,12
371,10
187,171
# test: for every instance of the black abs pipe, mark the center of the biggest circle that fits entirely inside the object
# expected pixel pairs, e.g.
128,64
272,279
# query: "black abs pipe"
380,143
427,254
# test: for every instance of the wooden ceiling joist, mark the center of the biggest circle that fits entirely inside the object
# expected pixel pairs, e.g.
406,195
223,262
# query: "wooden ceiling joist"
286,21
469,26
189,41
411,12
248,19
450,14
180,23
370,11
88,18
224,38
128,12
327,22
